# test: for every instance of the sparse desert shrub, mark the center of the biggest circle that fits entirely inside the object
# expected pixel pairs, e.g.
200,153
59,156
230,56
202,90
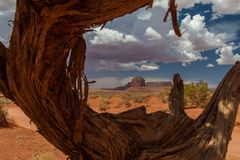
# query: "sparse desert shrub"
137,100
43,156
3,115
103,106
125,102
127,97
140,99
4,100
4,121
146,99
196,94
163,95
106,97
93,96
1,101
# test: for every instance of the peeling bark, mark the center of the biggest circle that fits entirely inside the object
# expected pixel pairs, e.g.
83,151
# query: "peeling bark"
176,100
3,74
39,81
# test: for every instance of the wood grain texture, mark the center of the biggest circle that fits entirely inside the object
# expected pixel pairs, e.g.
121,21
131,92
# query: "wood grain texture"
38,81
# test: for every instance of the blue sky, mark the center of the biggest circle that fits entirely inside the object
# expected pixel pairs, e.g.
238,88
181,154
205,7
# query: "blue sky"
140,44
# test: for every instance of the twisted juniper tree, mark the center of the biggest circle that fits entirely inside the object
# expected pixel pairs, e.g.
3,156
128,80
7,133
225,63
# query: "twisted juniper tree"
34,74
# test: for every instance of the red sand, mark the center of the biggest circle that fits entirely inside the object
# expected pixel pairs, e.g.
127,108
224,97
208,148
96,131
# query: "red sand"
22,143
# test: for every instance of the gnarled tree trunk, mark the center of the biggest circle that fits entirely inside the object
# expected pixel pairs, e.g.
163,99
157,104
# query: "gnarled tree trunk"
36,76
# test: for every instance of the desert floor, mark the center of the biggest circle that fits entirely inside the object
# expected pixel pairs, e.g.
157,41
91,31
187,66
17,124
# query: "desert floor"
24,143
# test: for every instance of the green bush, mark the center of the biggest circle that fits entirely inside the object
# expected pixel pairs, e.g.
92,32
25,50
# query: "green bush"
196,94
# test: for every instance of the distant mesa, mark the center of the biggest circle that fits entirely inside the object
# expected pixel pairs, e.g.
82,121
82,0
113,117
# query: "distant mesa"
139,82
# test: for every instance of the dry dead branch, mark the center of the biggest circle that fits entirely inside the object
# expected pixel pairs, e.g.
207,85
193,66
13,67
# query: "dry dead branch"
173,10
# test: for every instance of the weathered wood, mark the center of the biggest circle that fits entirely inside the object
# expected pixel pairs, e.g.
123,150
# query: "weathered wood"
3,74
176,100
220,114
38,81
173,10
207,137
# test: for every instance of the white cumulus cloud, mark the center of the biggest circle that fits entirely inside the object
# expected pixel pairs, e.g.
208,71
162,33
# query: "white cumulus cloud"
180,3
197,32
224,6
144,15
109,36
196,38
152,34
210,65
147,66
219,6
112,65
137,41
226,55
